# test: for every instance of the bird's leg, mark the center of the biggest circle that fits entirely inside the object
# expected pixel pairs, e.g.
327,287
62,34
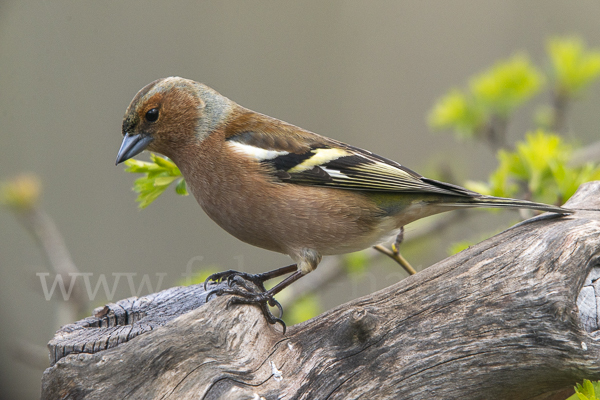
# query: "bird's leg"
246,294
399,239
395,255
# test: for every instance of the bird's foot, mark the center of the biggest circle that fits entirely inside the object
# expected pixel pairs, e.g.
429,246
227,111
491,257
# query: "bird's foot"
245,295
240,278
246,289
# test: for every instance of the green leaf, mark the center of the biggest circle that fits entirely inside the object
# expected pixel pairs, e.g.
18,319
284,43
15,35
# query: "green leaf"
181,188
164,180
537,154
568,179
506,85
540,163
137,166
492,95
457,111
587,391
573,66
158,175
166,164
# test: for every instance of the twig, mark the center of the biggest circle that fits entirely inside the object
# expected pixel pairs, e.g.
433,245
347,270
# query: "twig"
560,102
21,196
44,231
495,133
396,256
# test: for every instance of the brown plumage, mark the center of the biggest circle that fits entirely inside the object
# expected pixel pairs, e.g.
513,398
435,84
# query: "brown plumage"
280,187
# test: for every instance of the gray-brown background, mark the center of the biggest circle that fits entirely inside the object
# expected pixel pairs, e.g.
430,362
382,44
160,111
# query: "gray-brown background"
364,72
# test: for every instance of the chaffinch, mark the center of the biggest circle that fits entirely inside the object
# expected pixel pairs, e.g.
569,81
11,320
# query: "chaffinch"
280,187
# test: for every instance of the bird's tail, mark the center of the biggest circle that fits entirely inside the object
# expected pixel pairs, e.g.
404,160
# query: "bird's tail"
501,202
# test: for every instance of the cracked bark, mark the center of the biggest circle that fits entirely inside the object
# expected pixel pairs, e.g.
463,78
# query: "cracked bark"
514,317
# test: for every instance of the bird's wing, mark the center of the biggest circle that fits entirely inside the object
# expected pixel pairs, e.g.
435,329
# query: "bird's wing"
309,159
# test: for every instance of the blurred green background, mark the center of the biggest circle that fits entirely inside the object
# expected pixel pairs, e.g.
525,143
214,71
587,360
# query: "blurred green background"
363,72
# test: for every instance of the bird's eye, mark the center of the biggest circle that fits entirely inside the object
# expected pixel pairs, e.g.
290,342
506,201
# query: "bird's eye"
152,115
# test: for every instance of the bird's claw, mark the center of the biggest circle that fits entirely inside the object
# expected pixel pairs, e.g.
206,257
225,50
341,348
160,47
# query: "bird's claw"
262,299
246,289
264,308
232,276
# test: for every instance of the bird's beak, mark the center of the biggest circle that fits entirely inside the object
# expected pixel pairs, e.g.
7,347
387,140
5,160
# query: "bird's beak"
132,145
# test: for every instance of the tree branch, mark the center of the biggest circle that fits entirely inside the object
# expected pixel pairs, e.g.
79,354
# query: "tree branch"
499,320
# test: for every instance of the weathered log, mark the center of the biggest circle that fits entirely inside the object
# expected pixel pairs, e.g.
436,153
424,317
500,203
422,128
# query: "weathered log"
499,320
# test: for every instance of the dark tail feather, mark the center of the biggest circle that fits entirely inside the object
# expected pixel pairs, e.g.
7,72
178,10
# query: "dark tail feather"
501,202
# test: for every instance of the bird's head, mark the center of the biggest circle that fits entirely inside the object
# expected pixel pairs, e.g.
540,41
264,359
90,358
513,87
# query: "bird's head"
169,114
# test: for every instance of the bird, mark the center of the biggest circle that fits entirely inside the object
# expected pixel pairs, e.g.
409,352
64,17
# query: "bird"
283,188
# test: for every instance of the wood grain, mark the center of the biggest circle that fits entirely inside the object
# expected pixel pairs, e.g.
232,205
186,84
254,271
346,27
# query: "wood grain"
499,320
